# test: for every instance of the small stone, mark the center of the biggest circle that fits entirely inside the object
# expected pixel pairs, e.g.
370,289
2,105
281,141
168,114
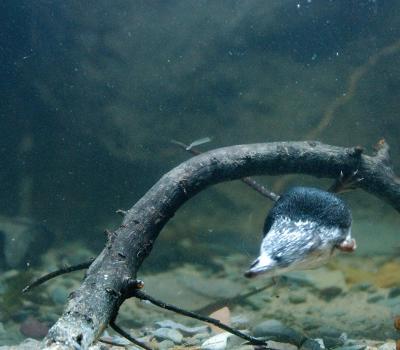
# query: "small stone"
239,321
375,298
281,346
28,344
33,328
217,342
59,295
330,293
388,346
310,344
168,334
192,341
201,336
332,342
328,331
394,292
310,323
277,331
331,337
233,341
363,287
297,298
166,344
180,327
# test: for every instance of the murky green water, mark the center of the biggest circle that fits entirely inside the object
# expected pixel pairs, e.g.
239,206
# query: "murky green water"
93,92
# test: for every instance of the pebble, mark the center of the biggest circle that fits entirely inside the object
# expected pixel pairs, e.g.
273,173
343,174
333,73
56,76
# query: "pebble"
364,286
310,323
310,344
330,336
332,342
192,341
277,331
281,346
239,321
329,331
33,328
28,344
394,292
330,293
375,298
168,334
183,329
59,295
388,346
165,344
297,298
217,342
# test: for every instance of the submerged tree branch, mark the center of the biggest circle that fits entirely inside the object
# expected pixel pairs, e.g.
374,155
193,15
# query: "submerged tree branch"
94,305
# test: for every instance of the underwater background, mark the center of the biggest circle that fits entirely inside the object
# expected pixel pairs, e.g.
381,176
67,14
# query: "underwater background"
93,92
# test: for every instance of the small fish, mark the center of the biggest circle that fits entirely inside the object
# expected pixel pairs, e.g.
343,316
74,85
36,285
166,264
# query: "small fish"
198,143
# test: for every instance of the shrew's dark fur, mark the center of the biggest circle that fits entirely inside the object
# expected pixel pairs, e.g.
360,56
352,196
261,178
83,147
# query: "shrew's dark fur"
312,204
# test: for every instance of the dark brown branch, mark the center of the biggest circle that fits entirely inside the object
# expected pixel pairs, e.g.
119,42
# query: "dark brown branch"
93,305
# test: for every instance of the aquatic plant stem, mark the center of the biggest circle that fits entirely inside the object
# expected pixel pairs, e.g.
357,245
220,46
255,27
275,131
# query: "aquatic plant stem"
96,302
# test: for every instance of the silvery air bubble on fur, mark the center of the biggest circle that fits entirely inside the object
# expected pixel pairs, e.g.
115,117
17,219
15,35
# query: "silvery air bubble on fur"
302,230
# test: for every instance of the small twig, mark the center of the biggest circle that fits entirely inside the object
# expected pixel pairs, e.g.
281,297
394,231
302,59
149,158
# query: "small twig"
233,300
249,181
127,336
110,342
53,274
260,188
143,296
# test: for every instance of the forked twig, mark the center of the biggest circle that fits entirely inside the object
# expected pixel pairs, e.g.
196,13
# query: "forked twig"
143,296
249,181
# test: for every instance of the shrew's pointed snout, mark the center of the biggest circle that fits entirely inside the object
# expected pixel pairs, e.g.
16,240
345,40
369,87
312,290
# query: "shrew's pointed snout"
249,273
262,264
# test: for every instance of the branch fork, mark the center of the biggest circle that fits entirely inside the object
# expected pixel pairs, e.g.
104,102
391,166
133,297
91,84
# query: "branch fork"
95,303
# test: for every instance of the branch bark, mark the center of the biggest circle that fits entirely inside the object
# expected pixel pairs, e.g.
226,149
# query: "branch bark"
104,289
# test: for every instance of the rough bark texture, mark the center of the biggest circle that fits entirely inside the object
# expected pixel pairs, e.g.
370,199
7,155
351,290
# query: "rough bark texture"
94,304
